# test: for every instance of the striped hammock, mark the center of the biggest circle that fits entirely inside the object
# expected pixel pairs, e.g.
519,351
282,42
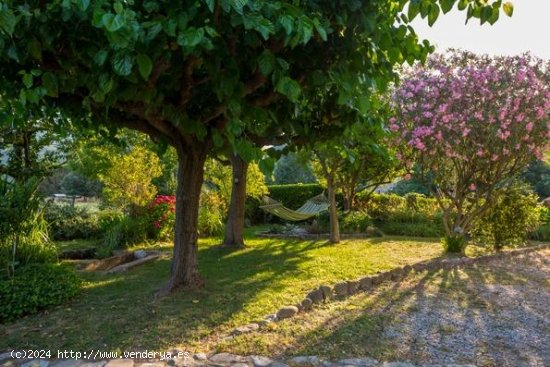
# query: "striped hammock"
311,208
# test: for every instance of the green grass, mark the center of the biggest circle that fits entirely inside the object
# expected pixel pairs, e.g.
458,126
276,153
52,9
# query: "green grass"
76,244
119,311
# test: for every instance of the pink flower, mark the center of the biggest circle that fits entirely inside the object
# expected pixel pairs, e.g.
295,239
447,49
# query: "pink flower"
472,187
529,127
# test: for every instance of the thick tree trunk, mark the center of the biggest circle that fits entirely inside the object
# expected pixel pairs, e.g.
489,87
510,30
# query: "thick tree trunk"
185,271
234,228
333,214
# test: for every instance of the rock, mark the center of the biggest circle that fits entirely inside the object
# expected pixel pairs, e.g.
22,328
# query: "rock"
365,283
153,364
397,364
271,317
67,363
418,267
200,356
305,360
4,356
460,365
353,286
466,261
316,296
36,363
396,274
226,358
287,312
341,289
384,276
327,291
120,363
240,365
278,364
307,304
406,270
245,329
140,254
376,279
260,361
359,362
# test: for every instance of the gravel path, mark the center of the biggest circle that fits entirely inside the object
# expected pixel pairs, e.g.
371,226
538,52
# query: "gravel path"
497,314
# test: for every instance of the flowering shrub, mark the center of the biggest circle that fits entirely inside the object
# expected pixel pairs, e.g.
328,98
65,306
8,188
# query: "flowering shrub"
162,216
469,122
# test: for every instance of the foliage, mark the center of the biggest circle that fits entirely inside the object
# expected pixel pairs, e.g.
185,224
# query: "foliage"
36,287
127,183
219,177
470,122
67,222
161,215
75,184
201,75
509,220
295,195
355,161
291,169
125,232
23,231
411,185
454,244
211,213
542,233
538,176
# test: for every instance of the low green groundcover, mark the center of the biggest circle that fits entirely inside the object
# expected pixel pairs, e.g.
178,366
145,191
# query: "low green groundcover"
36,287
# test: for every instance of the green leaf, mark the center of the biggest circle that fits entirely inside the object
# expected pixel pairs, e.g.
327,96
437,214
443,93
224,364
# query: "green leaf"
462,4
118,7
100,57
238,5
27,80
266,61
433,14
145,65
7,20
112,22
191,37
413,10
267,166
447,5
508,8
82,5
288,23
210,4
320,30
122,64
289,88
363,104
49,81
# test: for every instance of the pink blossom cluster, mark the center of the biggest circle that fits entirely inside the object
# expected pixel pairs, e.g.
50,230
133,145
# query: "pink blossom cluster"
473,113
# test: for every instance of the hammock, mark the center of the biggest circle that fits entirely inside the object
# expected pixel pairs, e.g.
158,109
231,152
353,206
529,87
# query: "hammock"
311,208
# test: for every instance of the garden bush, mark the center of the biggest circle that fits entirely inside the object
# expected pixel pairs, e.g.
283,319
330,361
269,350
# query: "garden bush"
34,288
68,222
211,215
510,219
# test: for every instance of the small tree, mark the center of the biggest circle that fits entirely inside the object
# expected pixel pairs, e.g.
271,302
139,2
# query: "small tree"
469,123
127,183
353,162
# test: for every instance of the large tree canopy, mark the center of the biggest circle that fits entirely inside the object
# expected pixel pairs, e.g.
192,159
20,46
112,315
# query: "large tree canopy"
201,74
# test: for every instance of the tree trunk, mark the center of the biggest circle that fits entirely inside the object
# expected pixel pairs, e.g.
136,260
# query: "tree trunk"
333,214
185,271
234,228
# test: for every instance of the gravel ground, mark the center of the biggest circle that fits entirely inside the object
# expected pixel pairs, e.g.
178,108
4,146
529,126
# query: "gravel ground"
496,314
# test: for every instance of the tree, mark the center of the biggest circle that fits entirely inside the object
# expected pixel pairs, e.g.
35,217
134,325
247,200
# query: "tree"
353,162
291,169
127,184
195,75
470,123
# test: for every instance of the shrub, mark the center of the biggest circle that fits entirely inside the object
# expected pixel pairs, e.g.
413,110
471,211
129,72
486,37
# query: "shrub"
411,229
211,214
162,216
355,222
36,287
542,233
508,221
68,222
128,231
295,195
454,244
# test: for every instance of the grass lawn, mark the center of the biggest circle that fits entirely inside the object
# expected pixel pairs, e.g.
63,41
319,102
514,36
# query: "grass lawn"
119,312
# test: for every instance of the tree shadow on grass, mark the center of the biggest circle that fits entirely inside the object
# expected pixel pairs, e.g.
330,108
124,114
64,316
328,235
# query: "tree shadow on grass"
488,315
119,311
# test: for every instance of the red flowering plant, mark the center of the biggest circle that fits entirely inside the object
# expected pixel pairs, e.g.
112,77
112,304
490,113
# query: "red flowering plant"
161,216
470,123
